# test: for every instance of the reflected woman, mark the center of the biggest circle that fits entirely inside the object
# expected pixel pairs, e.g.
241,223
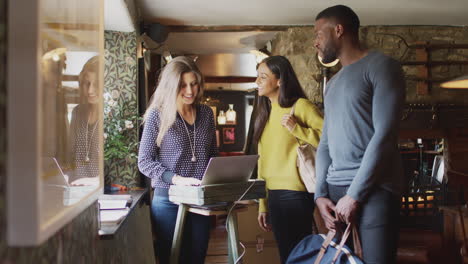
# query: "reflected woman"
177,142
84,127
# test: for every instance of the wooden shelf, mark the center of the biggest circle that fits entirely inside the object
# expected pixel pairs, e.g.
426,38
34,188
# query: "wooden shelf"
421,133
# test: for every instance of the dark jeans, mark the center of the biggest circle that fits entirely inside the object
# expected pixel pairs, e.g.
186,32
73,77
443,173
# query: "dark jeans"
291,216
378,224
196,232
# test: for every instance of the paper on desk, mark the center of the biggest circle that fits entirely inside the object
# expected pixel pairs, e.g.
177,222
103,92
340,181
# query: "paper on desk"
112,204
112,216
127,197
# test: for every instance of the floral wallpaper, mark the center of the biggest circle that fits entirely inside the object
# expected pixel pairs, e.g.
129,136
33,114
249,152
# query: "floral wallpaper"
120,88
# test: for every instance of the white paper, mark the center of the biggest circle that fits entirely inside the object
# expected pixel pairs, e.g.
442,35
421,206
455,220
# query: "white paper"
112,216
112,204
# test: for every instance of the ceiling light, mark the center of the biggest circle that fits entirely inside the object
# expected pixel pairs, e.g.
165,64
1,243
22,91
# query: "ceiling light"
167,56
457,83
330,64
259,55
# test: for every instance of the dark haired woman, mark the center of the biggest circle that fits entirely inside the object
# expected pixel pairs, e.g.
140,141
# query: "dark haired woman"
289,207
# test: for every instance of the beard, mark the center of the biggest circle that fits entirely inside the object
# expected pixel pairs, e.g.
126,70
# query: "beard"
329,54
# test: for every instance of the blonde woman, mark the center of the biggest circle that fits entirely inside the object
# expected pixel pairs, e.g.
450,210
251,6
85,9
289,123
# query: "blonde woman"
177,142
84,127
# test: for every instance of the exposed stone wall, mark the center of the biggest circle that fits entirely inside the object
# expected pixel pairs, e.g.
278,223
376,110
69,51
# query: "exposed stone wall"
297,45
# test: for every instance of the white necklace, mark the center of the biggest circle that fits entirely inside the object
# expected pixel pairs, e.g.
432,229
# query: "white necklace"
192,147
88,146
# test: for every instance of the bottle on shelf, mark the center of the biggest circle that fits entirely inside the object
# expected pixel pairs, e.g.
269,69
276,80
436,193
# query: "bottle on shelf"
221,118
231,115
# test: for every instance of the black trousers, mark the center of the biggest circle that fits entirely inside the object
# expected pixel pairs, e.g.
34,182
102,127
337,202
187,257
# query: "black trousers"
291,216
378,224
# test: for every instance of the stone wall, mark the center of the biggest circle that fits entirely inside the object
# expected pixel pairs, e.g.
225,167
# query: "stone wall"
297,45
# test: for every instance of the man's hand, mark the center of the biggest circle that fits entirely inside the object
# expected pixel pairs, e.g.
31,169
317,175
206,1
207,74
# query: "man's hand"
346,209
263,223
326,207
185,181
288,122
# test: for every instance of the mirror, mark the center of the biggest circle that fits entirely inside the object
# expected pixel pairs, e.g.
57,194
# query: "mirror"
55,115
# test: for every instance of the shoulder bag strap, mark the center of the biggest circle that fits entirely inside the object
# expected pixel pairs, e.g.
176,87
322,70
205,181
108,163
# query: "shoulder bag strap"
324,247
357,242
342,242
292,113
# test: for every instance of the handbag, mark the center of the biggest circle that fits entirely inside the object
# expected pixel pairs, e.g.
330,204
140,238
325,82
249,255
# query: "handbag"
306,162
321,249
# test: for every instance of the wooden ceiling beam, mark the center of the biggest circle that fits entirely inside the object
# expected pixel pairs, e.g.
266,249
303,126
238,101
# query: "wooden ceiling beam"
240,28
229,79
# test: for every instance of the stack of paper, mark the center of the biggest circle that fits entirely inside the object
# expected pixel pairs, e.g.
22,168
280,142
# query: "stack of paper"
112,217
113,208
112,202
127,197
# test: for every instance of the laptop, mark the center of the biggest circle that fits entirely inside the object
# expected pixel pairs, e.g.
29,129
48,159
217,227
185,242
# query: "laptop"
53,173
68,193
229,169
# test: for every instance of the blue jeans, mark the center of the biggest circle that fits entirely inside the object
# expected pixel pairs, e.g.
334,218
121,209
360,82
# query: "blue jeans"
378,224
291,216
195,237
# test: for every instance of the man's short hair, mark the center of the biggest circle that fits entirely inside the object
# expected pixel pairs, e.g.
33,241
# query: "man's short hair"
344,16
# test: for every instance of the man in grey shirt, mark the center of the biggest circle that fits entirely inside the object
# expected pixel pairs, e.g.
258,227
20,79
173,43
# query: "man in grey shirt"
359,170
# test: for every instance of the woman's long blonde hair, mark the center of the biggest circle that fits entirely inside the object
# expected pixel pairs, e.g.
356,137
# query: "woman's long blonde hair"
165,97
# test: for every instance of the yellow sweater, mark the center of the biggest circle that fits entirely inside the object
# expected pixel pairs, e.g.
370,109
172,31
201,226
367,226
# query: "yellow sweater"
278,147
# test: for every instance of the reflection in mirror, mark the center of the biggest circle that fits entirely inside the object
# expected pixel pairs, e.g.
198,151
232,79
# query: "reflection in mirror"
47,184
71,143
71,107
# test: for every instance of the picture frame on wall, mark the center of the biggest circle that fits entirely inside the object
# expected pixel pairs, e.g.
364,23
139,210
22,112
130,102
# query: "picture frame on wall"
213,108
229,135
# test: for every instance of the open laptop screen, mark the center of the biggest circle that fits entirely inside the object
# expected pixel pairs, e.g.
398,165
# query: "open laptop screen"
229,169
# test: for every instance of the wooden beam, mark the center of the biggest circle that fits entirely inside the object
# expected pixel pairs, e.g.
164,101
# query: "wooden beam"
421,133
72,26
241,28
229,79
439,46
70,78
433,63
422,88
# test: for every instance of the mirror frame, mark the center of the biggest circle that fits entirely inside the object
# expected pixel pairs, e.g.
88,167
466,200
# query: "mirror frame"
24,129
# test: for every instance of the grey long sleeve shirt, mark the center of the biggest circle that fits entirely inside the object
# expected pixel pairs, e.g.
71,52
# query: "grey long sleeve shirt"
358,148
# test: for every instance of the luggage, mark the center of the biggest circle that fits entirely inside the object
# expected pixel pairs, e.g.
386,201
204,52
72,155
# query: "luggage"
323,249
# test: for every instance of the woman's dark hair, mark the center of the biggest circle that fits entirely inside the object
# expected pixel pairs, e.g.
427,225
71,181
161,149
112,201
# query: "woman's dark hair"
289,91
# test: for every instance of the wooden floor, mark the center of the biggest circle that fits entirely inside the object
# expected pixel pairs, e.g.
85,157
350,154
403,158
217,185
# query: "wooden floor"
415,247
218,248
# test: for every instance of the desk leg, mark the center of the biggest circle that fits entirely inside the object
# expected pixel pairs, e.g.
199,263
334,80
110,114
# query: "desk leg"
233,238
179,230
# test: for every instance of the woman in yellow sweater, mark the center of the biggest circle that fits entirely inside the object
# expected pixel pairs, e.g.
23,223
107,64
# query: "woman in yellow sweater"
289,208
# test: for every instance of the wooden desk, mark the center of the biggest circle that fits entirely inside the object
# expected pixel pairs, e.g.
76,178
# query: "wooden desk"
209,195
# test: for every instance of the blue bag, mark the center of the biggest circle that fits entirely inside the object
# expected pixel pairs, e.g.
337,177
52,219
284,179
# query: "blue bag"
321,249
